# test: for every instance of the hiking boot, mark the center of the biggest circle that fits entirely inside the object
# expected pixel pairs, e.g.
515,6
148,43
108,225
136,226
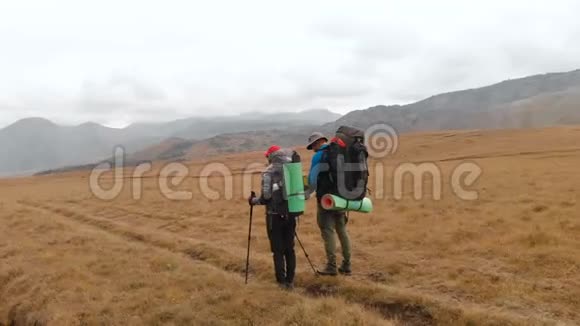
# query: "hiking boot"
286,286
329,270
344,269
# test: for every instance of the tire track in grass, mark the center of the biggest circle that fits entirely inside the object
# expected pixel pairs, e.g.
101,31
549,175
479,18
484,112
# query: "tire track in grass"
166,221
177,224
196,249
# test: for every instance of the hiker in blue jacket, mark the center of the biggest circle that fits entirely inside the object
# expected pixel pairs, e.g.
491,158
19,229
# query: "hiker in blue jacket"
329,222
317,143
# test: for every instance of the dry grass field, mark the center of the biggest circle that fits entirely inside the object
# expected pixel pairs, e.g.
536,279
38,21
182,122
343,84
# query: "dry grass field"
511,257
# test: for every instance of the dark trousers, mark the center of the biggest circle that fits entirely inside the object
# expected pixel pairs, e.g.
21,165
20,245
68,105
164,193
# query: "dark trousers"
281,231
331,222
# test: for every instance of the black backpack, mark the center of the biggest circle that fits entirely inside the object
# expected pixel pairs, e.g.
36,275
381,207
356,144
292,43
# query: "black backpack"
347,158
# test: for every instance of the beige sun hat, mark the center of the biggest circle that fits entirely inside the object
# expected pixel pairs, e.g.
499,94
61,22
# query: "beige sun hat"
316,136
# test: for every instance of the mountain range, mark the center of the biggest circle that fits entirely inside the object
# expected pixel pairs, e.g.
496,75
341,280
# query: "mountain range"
530,102
33,145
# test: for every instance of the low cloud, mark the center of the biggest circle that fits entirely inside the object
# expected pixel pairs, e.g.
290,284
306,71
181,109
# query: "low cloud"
346,58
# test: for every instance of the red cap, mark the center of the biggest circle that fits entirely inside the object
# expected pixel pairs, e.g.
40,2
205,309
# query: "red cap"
272,149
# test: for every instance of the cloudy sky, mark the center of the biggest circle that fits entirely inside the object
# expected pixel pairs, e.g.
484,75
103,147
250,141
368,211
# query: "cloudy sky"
116,62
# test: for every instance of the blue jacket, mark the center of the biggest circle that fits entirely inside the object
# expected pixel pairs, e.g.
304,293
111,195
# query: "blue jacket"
315,168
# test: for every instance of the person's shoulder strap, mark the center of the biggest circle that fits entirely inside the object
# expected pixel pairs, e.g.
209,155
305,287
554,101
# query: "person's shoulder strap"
324,154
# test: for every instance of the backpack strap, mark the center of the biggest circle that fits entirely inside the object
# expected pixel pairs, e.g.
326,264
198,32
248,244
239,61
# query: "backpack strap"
325,159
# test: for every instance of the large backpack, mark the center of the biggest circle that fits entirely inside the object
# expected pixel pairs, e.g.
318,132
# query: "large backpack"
278,204
347,158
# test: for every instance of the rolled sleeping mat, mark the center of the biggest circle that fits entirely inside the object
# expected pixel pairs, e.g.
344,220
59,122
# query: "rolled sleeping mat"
336,203
294,187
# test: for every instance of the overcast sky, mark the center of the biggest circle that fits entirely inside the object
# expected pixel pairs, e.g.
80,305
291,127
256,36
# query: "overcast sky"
116,62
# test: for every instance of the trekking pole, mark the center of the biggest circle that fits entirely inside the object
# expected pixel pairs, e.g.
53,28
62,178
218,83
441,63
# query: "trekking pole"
249,238
306,254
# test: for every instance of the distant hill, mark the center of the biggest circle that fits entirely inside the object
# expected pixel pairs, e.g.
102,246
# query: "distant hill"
33,144
177,149
202,128
36,144
528,102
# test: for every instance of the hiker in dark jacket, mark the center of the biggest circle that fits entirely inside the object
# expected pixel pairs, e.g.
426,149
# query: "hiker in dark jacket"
329,222
281,225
